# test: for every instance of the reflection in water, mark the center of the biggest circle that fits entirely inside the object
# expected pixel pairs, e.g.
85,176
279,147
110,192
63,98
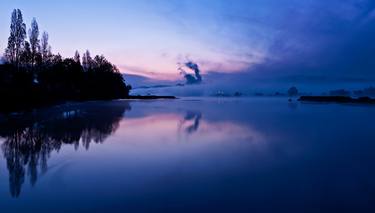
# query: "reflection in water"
30,139
186,123
293,105
231,155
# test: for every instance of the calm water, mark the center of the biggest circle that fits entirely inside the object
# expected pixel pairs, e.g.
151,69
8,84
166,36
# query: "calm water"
189,155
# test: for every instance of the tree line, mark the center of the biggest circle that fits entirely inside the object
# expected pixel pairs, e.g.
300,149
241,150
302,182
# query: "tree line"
33,76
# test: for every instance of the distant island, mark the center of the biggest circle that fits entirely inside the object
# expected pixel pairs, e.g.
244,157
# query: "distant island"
337,99
32,76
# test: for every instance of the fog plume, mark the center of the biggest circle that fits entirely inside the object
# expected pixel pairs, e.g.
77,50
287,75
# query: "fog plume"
190,78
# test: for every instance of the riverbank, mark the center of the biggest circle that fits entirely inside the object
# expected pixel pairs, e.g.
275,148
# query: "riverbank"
28,105
150,97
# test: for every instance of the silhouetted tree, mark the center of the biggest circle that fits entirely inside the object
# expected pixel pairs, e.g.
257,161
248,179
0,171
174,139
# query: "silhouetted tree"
34,41
293,91
45,49
56,59
39,78
17,37
77,57
26,55
86,60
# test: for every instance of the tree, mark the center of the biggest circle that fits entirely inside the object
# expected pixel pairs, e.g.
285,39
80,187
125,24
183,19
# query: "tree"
26,55
17,37
56,59
87,61
77,57
293,91
34,40
57,79
101,64
45,49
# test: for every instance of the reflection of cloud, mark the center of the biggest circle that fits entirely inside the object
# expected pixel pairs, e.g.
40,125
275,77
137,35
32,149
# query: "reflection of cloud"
159,129
227,131
195,117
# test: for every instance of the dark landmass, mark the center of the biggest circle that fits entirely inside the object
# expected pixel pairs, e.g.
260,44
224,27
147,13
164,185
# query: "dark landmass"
149,97
337,99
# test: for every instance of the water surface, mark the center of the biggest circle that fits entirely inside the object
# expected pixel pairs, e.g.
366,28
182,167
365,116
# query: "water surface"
189,155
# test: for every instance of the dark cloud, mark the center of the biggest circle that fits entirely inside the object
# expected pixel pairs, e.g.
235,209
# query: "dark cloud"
191,79
330,40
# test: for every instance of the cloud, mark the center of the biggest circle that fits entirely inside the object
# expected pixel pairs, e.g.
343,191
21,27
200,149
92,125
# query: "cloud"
140,71
191,79
271,45
313,39
328,39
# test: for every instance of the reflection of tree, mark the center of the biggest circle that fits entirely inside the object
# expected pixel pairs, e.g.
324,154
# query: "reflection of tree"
191,116
30,139
293,105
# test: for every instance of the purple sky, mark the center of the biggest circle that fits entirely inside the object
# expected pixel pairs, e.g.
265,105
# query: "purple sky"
149,37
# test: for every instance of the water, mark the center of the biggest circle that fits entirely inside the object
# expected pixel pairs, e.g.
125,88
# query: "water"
189,155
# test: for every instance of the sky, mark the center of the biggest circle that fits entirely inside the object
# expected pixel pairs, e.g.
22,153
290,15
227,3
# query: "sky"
277,39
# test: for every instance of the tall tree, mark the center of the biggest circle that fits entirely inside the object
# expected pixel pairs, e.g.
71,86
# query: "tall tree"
45,48
86,60
77,57
17,37
26,55
34,40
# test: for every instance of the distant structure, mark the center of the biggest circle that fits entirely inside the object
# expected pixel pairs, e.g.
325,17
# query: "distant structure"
340,92
190,78
292,92
370,91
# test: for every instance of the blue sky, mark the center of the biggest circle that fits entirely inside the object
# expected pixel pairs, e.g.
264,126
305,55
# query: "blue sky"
149,37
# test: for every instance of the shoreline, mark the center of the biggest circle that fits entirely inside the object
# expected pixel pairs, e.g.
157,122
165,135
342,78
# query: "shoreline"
150,97
337,99
33,106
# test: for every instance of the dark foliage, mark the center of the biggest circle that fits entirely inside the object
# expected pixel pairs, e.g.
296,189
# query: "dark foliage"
293,91
62,80
337,99
32,76
370,91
